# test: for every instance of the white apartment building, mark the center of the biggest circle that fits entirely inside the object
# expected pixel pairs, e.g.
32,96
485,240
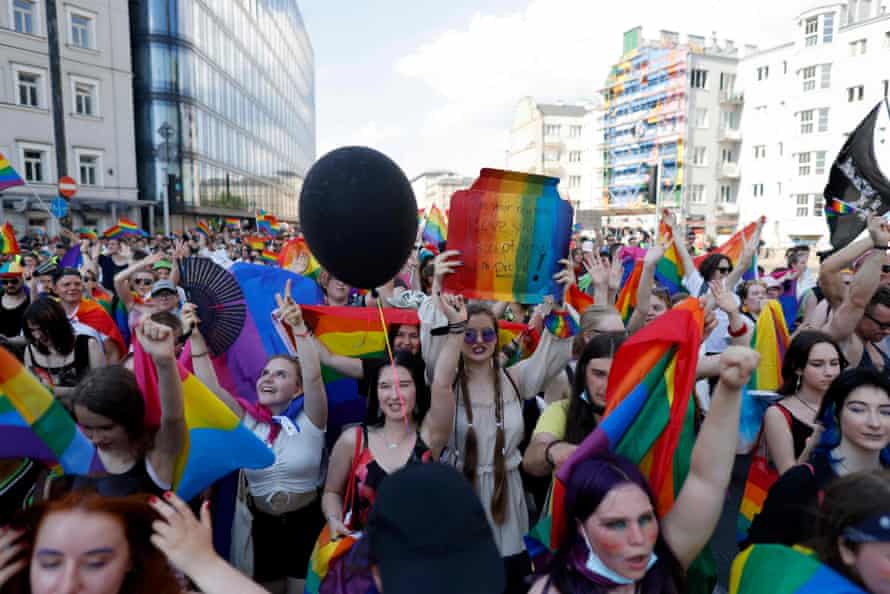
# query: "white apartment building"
560,140
96,89
801,100
435,188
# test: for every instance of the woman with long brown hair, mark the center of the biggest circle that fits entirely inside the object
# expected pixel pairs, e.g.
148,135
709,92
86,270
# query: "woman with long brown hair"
489,424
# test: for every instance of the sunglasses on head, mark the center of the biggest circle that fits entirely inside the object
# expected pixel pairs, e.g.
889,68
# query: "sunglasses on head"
471,335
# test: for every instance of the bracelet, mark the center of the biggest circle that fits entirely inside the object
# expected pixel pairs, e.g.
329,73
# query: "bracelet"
547,457
561,324
736,333
457,327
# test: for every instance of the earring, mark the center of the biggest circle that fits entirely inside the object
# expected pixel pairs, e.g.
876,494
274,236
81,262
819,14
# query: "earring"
797,385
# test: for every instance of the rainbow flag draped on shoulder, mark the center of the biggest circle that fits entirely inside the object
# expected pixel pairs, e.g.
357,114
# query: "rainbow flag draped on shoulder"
771,340
33,424
777,569
648,418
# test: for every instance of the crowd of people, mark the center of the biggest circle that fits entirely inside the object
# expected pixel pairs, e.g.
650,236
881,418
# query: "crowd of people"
463,431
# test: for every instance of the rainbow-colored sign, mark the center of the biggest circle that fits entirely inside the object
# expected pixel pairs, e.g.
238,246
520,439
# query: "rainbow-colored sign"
511,229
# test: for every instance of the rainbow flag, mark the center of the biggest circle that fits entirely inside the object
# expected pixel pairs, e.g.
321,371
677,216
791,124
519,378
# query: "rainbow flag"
771,341
511,229
233,223
266,223
626,301
323,553
578,299
649,417
526,338
255,243
777,569
8,243
9,178
33,424
839,207
669,271
212,428
113,232
732,249
94,315
204,229
351,332
87,233
436,229
293,249
269,257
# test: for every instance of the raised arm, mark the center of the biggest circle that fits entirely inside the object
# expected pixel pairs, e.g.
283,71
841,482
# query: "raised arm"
122,279
748,251
201,361
348,366
727,303
157,341
644,290
685,258
439,421
597,268
830,280
692,519
315,398
430,314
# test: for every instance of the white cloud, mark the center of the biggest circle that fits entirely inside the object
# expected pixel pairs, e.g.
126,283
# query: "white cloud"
372,133
553,49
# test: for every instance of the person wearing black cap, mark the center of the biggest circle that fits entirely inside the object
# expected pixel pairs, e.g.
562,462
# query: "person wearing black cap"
450,551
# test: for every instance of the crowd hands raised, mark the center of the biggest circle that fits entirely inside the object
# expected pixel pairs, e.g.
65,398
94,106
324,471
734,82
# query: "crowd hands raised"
453,393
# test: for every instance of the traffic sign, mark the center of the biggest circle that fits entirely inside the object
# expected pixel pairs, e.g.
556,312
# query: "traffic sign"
67,186
59,207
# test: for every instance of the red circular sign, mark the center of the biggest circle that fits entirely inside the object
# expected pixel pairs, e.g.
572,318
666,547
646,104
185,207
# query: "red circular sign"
67,186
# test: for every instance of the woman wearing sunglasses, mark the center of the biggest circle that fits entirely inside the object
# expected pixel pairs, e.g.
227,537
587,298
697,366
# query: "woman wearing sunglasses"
134,288
489,423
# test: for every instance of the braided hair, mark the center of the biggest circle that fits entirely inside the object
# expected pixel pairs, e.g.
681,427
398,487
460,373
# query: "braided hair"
471,443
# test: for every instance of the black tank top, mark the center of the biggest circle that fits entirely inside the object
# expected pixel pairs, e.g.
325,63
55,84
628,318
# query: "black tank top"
69,374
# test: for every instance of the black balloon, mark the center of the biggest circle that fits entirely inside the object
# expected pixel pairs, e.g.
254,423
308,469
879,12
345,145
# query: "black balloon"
358,215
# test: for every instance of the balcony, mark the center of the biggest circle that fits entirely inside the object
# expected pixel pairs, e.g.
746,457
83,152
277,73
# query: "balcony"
729,171
730,135
729,97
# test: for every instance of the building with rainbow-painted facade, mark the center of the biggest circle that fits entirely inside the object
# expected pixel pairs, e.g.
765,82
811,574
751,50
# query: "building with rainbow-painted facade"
671,105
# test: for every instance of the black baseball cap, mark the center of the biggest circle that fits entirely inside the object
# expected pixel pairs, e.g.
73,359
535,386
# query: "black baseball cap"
428,533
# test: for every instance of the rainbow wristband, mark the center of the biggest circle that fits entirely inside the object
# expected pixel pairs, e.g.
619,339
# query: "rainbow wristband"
561,324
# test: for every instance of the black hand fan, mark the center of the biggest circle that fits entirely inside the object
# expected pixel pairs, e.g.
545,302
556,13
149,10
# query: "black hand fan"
219,300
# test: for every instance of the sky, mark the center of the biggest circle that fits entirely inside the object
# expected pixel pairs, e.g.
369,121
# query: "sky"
434,83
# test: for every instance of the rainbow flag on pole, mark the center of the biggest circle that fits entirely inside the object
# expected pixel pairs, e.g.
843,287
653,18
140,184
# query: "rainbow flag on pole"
212,428
294,249
9,178
649,417
33,424
269,257
8,243
626,301
777,569
233,223
436,229
839,207
669,271
732,249
204,229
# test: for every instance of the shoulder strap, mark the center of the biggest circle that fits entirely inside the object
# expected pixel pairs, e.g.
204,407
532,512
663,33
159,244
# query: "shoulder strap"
513,383
787,414
360,431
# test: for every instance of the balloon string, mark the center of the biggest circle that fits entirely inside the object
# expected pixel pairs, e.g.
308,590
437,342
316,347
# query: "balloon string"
392,362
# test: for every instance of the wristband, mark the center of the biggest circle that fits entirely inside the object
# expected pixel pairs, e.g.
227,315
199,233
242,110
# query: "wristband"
561,324
547,457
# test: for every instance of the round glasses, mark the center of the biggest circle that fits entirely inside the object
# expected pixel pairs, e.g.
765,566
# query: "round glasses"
471,335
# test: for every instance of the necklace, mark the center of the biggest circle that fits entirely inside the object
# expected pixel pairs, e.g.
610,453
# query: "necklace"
806,404
393,445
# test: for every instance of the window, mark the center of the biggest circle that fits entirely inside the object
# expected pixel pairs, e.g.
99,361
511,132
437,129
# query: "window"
781,148
858,48
811,31
823,119
28,84
727,82
828,28
763,73
697,195
89,167
574,181
574,131
85,98
699,79
758,190
34,167
818,205
81,30
552,130
820,162
551,155
727,156
809,78
726,196
701,117
699,155
886,85
826,76
574,156
806,121
803,205
803,164
887,39
729,120
759,151
856,93
24,16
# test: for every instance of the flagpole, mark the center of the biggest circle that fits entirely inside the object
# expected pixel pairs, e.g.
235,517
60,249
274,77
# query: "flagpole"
48,210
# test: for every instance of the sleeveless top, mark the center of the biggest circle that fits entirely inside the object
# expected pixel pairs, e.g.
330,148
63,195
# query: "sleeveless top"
369,475
69,374
139,479
800,431
866,363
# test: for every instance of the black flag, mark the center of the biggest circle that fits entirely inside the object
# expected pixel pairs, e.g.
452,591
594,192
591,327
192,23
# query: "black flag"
859,176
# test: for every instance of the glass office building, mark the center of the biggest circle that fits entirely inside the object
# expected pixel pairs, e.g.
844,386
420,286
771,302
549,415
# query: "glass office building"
225,104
